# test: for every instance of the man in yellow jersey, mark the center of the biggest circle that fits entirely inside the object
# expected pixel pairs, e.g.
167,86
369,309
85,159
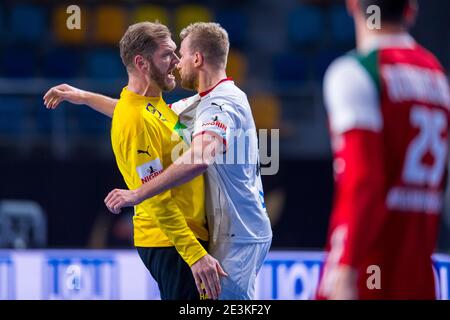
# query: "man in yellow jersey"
170,229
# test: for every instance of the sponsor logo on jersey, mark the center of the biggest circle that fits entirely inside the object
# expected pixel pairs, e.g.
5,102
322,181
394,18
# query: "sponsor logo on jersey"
215,123
218,105
150,108
149,170
144,151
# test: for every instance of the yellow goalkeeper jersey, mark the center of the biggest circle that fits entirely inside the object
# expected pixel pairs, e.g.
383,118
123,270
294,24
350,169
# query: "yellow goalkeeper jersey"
143,136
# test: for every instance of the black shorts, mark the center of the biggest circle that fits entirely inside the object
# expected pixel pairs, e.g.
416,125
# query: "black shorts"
171,272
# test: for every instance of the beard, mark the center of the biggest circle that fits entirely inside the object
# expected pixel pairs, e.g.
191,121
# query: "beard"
189,80
160,77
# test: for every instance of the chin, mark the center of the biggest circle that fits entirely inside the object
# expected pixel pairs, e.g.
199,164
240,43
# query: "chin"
187,85
170,85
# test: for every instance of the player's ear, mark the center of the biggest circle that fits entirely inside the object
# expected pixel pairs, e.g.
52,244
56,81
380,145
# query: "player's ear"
140,63
198,59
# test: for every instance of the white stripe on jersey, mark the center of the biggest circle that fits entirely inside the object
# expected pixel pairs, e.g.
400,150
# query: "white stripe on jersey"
351,97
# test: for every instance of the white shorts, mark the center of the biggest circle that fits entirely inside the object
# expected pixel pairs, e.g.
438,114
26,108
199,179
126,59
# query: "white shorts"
242,263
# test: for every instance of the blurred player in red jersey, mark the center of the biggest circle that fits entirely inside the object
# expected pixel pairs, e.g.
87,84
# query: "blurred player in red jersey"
388,107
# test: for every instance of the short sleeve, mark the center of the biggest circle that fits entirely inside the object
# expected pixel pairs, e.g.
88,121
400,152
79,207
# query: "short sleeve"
216,117
351,97
146,150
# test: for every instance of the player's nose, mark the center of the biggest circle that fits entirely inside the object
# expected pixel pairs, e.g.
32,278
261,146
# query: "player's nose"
176,58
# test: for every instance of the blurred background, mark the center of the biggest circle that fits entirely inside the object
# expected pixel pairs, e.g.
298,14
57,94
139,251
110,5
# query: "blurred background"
56,167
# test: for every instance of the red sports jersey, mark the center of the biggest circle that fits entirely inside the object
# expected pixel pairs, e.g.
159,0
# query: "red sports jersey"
389,120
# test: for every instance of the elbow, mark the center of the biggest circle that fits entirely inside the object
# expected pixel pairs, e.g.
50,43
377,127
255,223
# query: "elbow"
201,162
201,167
197,167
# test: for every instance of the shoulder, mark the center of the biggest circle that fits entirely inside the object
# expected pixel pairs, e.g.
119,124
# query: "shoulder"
350,66
227,98
151,124
127,122
230,92
219,107
184,104
428,55
351,96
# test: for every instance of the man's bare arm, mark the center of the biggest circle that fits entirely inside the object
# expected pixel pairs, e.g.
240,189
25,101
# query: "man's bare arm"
189,165
64,92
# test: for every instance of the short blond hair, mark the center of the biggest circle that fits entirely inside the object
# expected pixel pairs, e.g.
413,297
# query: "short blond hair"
210,39
141,39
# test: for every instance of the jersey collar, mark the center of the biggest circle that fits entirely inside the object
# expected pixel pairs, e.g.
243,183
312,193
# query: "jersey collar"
399,40
132,95
204,93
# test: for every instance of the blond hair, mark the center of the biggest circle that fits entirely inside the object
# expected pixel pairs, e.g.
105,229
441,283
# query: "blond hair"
210,39
141,39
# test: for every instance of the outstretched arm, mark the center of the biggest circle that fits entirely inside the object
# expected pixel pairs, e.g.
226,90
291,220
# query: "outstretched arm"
64,92
191,164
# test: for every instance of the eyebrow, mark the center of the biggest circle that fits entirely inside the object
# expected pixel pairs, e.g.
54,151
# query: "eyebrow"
169,47
168,51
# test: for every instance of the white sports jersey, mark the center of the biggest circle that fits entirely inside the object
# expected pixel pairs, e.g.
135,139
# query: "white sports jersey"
186,109
234,193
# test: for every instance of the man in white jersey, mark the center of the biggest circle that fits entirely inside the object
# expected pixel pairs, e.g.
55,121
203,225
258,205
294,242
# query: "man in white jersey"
224,130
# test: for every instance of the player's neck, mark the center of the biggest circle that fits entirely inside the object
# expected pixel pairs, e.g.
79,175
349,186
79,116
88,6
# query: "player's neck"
364,36
143,86
207,80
